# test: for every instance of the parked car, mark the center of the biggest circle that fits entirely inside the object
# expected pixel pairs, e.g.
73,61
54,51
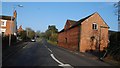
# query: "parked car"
33,40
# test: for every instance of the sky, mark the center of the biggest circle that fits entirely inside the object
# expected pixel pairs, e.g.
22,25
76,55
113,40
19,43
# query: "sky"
38,15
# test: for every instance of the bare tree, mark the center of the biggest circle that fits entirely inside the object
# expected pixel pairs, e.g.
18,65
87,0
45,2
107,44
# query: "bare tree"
117,12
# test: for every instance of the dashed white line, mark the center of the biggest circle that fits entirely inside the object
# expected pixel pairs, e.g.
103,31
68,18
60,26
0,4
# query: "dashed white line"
49,50
25,46
46,46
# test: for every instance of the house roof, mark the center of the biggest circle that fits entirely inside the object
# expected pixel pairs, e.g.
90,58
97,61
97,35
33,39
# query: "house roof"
6,17
76,23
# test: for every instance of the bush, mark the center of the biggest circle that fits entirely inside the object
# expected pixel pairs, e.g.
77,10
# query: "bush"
114,47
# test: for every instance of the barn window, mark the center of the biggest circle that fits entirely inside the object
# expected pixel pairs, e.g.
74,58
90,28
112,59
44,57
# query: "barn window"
94,26
66,40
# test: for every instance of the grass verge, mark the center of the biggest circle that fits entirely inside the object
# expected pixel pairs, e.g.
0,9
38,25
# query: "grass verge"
52,42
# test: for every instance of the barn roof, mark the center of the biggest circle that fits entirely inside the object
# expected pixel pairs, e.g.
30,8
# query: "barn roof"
77,23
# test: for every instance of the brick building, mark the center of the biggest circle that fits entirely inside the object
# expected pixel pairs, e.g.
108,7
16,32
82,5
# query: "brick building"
8,24
89,33
20,29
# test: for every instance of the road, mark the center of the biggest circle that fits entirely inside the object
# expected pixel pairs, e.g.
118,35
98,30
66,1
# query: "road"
45,54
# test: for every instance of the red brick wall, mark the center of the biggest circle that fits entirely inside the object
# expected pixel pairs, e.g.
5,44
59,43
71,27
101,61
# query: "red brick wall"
7,27
8,23
87,32
72,39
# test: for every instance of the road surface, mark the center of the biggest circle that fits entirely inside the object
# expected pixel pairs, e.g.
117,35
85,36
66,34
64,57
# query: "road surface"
45,54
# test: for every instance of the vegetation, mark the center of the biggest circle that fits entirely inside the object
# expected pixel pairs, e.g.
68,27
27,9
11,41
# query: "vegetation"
23,35
51,34
26,34
114,46
30,33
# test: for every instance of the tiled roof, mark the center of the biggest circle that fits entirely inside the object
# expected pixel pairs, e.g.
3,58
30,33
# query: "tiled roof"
76,23
72,22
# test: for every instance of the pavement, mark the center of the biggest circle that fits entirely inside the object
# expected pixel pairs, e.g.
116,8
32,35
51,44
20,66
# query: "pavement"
6,53
44,54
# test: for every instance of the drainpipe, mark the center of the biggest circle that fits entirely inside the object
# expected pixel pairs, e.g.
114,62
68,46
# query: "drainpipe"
79,28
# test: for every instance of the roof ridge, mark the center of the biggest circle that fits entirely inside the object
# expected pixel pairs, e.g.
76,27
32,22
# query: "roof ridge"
71,20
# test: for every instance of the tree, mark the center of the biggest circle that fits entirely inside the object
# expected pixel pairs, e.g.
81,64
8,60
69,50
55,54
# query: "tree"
114,48
51,33
30,33
38,33
23,35
117,12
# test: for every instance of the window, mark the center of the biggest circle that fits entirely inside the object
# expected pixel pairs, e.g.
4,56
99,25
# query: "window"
3,22
94,26
66,40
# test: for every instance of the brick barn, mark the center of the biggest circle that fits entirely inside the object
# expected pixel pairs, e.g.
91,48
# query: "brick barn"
89,33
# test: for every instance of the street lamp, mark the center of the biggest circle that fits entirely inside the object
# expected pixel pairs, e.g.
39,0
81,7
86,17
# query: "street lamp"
11,22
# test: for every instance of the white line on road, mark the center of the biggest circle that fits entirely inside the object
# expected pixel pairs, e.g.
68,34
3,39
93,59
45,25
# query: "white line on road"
45,46
56,59
61,64
25,46
49,50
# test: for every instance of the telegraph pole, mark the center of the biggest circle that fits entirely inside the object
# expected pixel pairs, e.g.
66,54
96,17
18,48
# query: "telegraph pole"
12,17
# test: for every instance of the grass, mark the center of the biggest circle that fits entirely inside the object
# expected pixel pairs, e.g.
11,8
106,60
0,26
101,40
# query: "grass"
52,42
39,39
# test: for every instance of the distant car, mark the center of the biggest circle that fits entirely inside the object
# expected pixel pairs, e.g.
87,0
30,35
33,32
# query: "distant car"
33,40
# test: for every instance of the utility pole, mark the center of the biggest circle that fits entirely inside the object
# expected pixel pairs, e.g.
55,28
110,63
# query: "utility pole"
12,17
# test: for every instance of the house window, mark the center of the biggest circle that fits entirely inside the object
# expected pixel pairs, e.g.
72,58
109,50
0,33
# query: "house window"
94,26
3,22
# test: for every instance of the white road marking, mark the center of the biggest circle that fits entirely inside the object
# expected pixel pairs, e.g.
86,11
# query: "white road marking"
25,46
66,66
56,59
49,50
76,53
46,46
61,64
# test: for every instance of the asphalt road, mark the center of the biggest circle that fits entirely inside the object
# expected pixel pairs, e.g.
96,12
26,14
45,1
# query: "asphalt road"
45,54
